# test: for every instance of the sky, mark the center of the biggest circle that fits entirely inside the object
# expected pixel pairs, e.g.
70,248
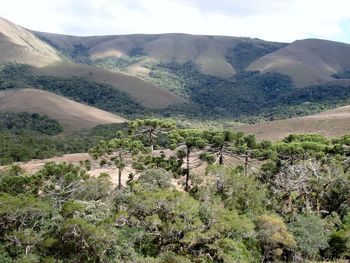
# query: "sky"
274,20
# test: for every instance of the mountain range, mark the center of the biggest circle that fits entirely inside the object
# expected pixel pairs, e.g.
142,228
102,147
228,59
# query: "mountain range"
174,74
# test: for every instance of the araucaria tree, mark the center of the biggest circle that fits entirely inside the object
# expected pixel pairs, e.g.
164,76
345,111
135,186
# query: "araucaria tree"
150,129
117,150
190,139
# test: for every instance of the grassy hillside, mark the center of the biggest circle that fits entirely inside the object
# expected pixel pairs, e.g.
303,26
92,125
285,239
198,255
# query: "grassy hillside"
332,123
214,55
307,62
143,92
21,46
193,75
72,115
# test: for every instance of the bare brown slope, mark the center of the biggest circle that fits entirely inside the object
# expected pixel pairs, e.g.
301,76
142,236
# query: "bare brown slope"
72,115
21,46
332,123
308,62
144,92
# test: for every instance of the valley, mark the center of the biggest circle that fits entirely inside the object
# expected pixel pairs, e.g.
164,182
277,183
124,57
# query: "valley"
172,147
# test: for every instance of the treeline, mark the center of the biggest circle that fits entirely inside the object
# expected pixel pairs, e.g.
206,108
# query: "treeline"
79,89
26,136
24,121
282,202
247,97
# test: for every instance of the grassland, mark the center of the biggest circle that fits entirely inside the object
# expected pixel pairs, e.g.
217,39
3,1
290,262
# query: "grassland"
72,115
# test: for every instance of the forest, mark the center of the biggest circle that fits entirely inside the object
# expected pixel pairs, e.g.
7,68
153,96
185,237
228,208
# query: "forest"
26,136
286,201
248,97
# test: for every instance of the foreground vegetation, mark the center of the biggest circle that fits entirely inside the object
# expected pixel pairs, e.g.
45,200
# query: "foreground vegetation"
284,201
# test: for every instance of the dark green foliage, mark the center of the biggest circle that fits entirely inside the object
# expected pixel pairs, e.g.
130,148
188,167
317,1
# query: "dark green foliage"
21,144
117,62
18,122
248,96
79,89
98,95
245,53
280,212
342,75
340,240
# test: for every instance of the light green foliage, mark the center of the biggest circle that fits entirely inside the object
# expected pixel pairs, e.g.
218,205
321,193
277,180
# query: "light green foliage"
310,233
301,147
116,150
274,236
153,179
244,193
228,250
150,129
278,212
207,157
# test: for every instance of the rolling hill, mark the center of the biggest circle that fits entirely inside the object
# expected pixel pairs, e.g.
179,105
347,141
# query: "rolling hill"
72,115
332,123
21,46
142,91
187,75
209,53
307,62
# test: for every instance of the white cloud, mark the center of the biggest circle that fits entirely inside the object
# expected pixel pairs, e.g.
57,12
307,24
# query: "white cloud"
279,20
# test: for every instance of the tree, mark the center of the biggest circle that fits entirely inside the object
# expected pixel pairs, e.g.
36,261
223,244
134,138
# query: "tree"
308,187
274,236
340,240
298,147
116,150
190,139
310,234
150,128
219,142
243,193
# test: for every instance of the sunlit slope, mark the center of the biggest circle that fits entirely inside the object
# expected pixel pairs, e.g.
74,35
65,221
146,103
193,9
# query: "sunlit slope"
21,46
72,115
330,123
147,94
308,62
209,53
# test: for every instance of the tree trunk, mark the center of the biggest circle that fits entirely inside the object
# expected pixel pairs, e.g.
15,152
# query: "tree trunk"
27,249
120,172
119,178
221,159
187,169
151,140
246,165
